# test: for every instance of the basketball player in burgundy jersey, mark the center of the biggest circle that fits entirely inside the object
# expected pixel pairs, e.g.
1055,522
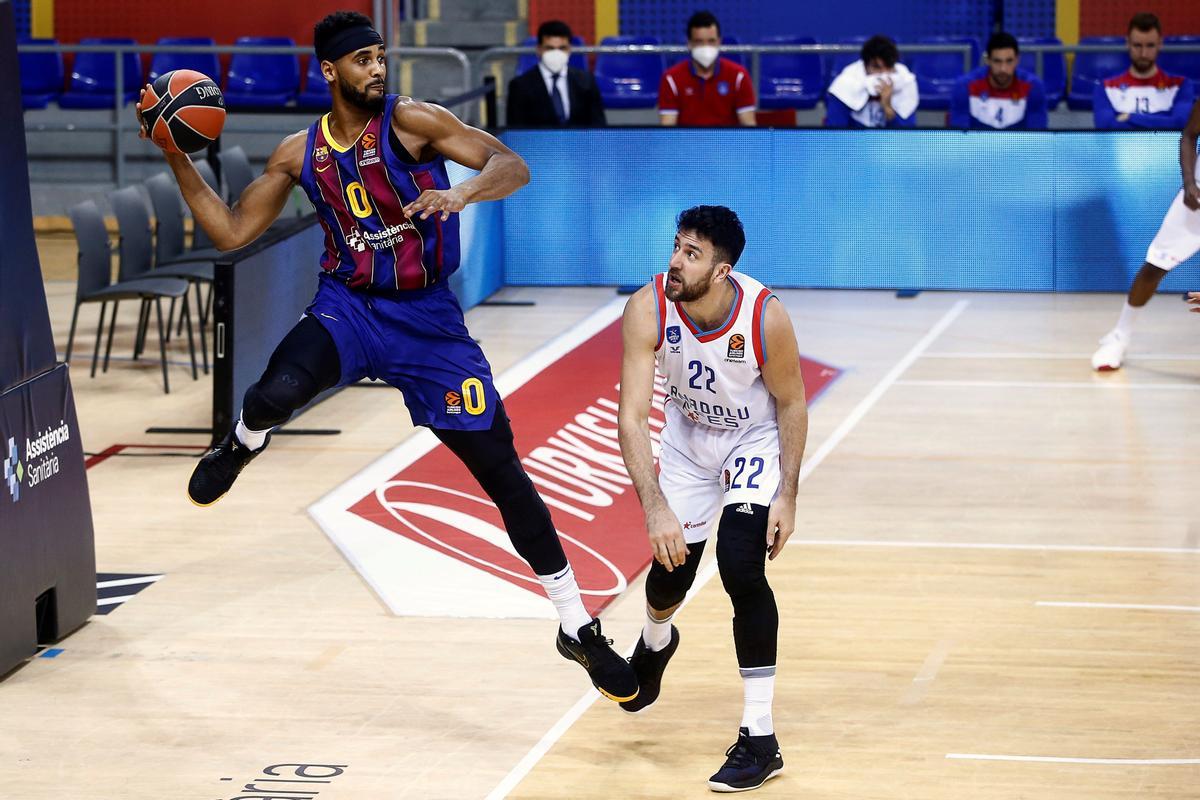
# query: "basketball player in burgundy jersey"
374,168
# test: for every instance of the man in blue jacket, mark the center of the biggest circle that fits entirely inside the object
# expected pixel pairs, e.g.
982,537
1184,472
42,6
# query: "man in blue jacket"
998,95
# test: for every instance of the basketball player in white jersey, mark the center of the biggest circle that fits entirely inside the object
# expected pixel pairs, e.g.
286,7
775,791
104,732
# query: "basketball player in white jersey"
1178,240
730,460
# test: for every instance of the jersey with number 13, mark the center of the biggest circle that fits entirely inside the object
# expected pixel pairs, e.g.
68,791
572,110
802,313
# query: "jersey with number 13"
359,190
714,378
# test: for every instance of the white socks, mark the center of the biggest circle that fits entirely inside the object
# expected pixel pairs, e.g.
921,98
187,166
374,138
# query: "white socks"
657,632
1129,315
563,591
253,440
758,690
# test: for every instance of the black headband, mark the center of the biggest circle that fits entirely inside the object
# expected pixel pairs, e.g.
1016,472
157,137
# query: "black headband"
347,41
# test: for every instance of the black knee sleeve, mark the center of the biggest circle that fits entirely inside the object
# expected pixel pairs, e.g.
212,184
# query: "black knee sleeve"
281,391
667,589
493,461
741,558
304,364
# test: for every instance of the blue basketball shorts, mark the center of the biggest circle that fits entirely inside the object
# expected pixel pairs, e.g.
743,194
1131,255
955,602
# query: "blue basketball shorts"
416,341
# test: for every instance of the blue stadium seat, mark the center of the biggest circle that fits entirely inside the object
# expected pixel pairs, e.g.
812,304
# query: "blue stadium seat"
1092,68
1054,68
525,63
1185,64
164,62
41,75
94,80
315,96
937,72
629,80
262,79
790,80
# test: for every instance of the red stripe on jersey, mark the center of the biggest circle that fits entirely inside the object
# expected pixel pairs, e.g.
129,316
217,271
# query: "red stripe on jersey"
705,337
1159,80
1016,90
756,325
425,182
660,305
329,182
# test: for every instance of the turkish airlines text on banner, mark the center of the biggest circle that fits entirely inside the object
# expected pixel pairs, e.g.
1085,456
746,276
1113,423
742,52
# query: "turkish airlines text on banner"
423,534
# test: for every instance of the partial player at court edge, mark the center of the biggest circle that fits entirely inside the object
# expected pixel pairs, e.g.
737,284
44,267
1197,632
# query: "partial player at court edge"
1178,239
375,170
730,456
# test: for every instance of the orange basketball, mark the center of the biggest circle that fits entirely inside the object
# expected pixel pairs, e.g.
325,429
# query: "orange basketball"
184,111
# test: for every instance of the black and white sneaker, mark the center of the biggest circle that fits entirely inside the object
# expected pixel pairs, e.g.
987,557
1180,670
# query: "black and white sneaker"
751,761
612,675
649,665
219,468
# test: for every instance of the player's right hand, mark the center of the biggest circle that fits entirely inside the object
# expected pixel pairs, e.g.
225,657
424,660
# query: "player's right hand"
666,538
137,109
1194,301
1191,196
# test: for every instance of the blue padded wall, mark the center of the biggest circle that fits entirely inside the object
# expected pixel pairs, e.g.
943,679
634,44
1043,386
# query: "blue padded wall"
1029,17
22,17
751,21
972,210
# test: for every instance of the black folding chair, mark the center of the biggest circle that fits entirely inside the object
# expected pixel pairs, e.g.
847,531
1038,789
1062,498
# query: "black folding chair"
95,286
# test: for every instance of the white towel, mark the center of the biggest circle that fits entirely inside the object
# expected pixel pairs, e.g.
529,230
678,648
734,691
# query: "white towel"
854,87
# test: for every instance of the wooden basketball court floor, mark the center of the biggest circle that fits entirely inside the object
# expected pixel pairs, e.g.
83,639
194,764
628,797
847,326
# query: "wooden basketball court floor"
993,590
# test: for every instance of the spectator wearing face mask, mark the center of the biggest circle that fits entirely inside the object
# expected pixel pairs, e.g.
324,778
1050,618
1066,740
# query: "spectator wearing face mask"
552,94
877,91
706,90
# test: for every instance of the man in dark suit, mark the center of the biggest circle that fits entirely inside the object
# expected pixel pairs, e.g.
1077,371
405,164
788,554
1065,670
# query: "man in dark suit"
552,94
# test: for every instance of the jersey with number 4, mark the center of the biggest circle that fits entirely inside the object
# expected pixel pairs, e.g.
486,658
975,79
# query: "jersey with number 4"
359,190
714,377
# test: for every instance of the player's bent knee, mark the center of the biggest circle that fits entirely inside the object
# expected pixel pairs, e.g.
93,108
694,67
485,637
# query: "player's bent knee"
276,396
665,590
742,550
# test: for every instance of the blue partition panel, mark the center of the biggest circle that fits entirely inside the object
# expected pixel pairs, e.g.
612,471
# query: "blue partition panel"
848,209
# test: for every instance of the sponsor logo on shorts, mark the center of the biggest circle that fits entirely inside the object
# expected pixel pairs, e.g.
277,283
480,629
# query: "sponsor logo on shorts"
673,335
737,348
745,508
454,403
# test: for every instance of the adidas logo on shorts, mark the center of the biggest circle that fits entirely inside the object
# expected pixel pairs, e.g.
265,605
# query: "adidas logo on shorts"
744,508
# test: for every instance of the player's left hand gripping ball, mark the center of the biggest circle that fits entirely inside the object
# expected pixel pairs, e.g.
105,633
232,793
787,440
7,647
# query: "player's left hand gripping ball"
183,111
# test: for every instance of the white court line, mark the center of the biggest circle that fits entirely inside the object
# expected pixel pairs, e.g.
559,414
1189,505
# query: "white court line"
1061,356
1102,384
1134,606
128,581
1080,548
544,744
1062,760
109,601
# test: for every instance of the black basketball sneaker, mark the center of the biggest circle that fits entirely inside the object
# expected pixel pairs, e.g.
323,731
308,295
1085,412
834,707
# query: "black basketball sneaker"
648,665
751,761
219,468
612,675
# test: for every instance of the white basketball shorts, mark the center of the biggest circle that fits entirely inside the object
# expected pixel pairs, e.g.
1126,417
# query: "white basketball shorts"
702,470
1178,237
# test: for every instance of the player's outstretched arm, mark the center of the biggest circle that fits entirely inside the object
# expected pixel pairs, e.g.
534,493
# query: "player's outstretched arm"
259,204
781,376
639,335
1187,159
501,171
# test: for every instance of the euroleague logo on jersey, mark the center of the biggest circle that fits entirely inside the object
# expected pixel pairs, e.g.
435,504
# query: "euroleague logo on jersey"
737,348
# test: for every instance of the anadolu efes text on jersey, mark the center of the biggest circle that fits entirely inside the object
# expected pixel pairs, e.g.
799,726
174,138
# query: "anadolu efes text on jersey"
360,190
715,377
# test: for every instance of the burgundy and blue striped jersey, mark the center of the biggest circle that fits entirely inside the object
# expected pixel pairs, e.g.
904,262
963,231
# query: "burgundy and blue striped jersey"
359,190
